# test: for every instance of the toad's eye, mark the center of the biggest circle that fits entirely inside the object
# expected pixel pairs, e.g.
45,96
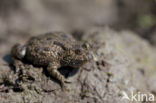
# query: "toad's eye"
85,46
78,51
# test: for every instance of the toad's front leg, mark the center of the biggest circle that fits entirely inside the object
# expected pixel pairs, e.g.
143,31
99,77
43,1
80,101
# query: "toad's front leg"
53,71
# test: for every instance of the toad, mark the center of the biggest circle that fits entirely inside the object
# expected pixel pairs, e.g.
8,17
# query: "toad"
52,50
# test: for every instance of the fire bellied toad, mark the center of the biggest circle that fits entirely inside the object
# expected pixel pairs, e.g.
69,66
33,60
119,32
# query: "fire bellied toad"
52,50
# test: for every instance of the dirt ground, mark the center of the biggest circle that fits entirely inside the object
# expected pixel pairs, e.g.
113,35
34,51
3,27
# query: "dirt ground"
122,33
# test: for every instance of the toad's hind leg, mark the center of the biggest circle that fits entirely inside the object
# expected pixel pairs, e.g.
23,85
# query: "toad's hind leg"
18,51
16,63
17,54
53,71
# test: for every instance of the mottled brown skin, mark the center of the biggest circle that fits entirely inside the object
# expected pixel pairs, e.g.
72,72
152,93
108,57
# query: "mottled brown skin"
52,50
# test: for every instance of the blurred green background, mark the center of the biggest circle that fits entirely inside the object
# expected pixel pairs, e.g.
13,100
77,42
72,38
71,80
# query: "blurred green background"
23,17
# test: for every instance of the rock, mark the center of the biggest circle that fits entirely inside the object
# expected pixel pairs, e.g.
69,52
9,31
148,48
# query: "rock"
123,63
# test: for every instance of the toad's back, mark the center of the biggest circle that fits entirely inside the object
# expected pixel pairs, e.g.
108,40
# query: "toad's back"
47,48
